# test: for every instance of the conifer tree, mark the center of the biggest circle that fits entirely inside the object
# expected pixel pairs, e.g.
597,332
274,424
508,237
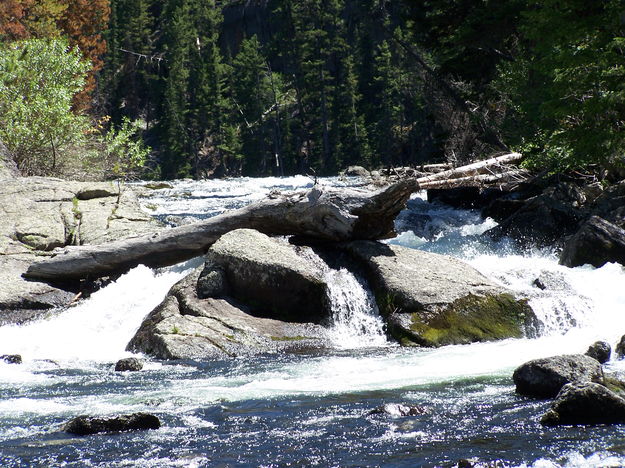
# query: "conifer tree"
131,60
252,92
215,135
175,138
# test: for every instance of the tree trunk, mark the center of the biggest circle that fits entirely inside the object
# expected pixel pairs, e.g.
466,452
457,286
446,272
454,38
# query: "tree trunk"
321,213
481,167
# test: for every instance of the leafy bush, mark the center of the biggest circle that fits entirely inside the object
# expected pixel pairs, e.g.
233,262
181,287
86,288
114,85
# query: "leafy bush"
38,80
125,152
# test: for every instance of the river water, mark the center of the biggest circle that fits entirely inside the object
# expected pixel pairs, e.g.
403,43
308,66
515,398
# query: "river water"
311,409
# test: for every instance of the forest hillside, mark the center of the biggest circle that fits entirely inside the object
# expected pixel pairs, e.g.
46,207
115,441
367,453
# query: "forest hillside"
203,88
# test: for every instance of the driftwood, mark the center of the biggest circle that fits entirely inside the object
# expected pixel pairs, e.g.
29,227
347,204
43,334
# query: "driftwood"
487,166
480,180
321,213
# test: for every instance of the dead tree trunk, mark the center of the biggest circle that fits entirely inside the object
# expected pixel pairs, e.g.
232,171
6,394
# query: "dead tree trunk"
480,180
321,213
487,166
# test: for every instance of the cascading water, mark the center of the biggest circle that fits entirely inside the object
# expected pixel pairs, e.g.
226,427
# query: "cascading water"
99,328
312,410
356,321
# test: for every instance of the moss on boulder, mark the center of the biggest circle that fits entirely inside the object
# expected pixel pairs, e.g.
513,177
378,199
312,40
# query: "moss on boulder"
435,300
467,320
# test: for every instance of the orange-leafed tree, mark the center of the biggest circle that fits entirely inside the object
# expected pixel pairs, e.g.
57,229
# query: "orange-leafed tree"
24,19
12,13
84,22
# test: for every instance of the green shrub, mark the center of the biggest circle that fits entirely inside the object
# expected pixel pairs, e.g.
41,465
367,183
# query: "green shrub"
38,80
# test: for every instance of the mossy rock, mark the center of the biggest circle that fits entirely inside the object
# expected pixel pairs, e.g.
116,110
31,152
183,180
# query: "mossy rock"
158,185
614,384
467,320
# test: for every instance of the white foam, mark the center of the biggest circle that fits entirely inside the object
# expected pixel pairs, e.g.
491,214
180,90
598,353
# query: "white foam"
97,329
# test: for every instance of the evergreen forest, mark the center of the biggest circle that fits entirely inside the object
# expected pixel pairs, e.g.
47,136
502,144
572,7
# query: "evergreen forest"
203,88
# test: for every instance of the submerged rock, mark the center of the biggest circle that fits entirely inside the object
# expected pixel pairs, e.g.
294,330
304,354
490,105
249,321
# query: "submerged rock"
11,358
543,378
585,403
434,300
269,276
396,409
596,243
184,326
129,364
600,350
86,425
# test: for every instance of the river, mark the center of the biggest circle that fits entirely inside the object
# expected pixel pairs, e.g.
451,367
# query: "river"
311,409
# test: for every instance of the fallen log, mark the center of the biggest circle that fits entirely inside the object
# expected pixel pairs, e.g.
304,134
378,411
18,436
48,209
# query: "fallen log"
481,167
479,180
321,213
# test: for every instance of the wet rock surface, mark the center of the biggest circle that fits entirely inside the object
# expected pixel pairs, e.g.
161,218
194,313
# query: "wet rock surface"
543,219
620,348
11,358
581,403
129,365
600,350
87,425
543,378
398,410
185,326
433,300
596,243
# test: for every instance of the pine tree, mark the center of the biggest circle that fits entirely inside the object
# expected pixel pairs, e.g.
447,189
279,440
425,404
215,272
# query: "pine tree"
252,92
175,138
131,60
349,131
216,140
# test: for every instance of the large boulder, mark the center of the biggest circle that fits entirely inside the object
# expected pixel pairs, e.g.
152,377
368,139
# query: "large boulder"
184,326
545,218
434,300
543,378
86,425
610,204
585,403
271,277
38,215
22,301
596,243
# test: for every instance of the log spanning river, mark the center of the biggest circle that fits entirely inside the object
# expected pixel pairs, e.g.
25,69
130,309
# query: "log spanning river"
311,409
